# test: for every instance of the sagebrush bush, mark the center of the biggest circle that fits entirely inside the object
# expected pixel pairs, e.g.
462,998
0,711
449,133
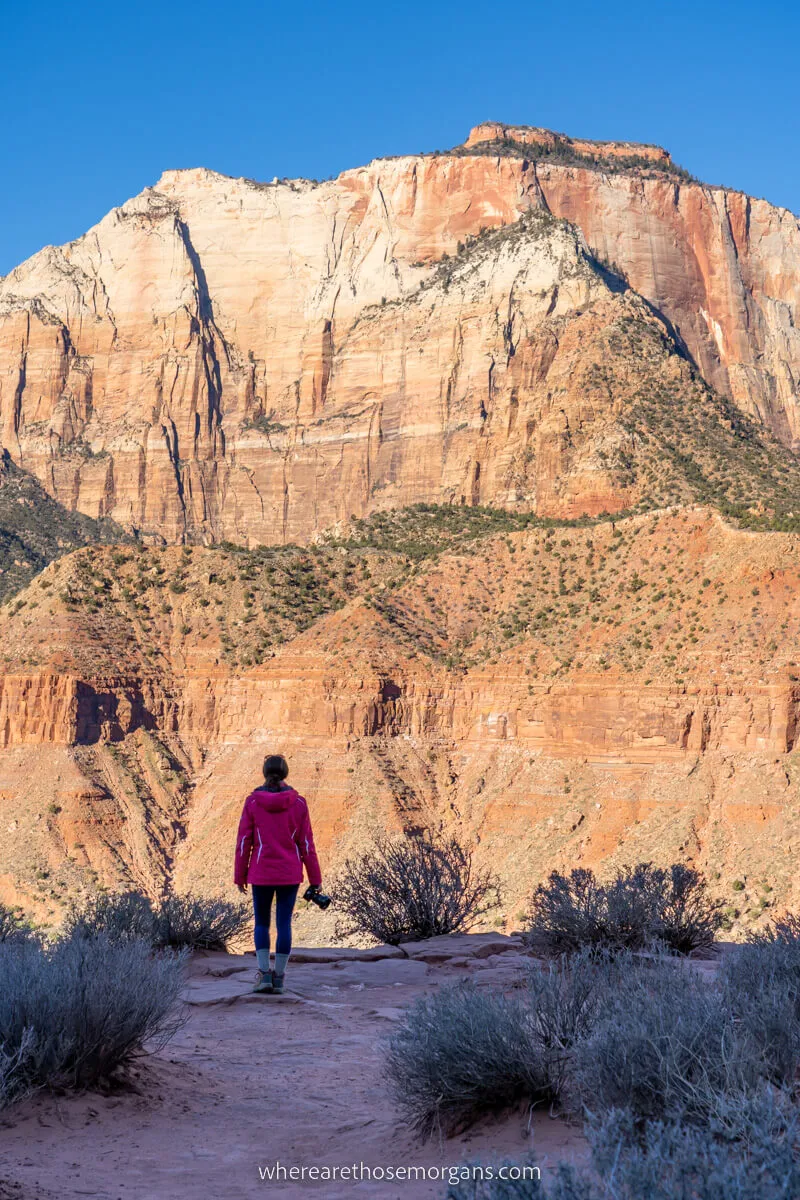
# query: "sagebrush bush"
785,929
563,1001
194,922
688,1084
667,1163
761,983
640,906
645,1045
14,1057
199,923
665,1046
74,1013
462,1053
466,1051
687,1163
120,916
687,919
407,889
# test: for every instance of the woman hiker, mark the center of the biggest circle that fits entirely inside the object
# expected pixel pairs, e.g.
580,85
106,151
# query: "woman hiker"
275,842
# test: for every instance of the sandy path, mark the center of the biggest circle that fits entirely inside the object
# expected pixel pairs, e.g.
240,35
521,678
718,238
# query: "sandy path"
251,1081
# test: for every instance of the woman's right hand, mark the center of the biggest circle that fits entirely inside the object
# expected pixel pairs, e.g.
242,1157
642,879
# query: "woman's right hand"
242,888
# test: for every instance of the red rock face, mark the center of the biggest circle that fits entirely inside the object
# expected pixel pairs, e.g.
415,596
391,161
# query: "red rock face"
599,739
220,359
722,267
224,359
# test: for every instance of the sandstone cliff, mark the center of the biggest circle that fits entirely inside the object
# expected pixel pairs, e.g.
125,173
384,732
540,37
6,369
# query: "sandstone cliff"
557,328
621,691
220,358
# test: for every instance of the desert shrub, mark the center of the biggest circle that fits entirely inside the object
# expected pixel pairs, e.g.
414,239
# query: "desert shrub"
465,1051
761,983
198,922
673,1162
12,927
195,922
120,916
563,1001
13,1060
641,905
666,1047
568,912
462,1053
76,1012
687,919
668,1163
785,929
405,889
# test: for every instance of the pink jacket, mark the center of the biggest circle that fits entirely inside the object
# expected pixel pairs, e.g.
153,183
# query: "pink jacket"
275,840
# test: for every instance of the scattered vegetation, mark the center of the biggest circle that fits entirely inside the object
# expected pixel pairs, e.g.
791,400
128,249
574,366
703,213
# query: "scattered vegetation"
424,531
177,921
265,424
679,1079
641,906
563,153
686,442
13,928
614,595
35,529
594,595
405,889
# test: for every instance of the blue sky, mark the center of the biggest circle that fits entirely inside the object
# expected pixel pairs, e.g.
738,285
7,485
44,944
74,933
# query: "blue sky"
98,99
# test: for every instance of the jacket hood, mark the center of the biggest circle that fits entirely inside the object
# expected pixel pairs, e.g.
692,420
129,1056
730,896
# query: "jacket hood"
274,801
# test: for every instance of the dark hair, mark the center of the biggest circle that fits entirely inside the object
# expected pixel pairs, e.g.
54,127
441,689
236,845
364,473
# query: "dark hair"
276,769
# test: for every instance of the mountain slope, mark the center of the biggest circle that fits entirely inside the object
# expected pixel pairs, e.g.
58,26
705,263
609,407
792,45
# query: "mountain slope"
587,694
35,529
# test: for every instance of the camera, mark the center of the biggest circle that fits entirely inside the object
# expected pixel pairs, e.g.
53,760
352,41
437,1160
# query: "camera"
317,897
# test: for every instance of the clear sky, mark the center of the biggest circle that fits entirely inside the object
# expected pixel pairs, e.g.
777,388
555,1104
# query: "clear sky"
98,98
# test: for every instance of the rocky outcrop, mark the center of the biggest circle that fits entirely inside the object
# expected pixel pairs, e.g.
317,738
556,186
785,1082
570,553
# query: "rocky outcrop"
225,359
549,142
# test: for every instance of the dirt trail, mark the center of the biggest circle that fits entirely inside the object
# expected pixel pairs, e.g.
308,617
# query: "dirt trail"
252,1081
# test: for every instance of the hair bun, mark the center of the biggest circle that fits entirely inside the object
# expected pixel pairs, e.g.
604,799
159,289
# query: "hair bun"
275,767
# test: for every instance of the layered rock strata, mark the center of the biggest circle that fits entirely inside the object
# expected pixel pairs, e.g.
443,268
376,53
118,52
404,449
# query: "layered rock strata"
225,359
444,702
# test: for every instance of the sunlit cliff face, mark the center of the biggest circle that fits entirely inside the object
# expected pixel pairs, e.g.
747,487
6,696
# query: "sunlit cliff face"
529,322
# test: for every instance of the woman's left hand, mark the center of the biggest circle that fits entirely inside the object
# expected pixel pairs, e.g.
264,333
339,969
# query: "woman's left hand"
242,888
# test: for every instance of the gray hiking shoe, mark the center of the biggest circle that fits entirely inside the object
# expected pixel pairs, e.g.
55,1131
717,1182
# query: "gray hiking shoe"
263,982
277,984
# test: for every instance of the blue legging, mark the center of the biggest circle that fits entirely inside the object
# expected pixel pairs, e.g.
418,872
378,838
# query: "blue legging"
285,894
